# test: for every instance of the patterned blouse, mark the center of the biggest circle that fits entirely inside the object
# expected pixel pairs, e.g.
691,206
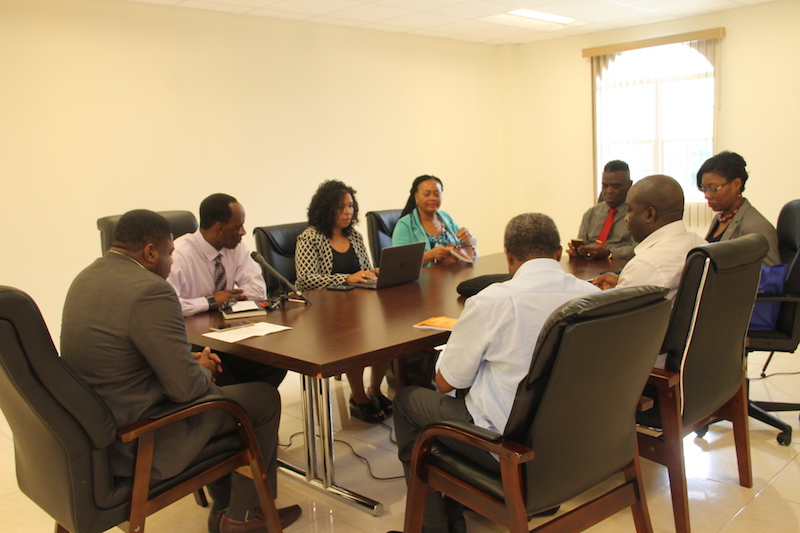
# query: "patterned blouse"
313,259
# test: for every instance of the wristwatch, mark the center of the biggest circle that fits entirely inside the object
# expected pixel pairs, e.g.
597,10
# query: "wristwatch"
212,303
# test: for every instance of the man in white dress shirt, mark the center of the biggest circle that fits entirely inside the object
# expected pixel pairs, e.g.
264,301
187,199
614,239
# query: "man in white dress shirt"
218,240
211,268
655,221
489,352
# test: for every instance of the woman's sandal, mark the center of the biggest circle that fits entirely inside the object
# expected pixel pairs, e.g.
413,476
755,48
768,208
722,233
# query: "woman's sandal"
368,412
383,403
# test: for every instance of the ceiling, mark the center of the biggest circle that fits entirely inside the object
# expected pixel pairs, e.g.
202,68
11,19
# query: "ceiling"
482,21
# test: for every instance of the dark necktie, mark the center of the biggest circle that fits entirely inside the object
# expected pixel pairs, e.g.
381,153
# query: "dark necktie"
603,237
220,280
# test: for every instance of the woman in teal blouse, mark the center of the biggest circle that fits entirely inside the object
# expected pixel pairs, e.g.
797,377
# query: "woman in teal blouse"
423,221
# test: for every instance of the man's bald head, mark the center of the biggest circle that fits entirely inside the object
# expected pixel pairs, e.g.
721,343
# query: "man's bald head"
653,202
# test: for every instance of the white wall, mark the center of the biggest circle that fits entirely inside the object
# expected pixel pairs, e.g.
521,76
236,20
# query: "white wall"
110,105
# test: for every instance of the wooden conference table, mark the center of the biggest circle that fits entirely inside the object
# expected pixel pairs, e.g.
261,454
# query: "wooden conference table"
342,330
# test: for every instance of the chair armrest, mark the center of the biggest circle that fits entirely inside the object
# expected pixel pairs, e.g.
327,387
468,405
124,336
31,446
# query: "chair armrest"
472,429
663,378
777,298
167,408
167,414
480,438
644,404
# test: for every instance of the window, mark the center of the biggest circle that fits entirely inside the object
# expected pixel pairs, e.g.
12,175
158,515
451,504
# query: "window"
654,109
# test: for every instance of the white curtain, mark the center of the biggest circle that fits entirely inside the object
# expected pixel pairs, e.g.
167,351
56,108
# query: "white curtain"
654,109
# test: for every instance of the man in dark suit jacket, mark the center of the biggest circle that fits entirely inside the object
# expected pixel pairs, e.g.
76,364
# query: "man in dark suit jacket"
123,332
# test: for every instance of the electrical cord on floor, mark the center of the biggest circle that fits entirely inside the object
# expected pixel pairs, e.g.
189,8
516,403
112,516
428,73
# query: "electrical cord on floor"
775,374
291,438
366,461
390,428
361,457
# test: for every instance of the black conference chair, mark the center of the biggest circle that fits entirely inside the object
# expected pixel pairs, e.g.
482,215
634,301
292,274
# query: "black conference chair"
277,244
571,426
380,225
182,222
63,433
704,375
786,336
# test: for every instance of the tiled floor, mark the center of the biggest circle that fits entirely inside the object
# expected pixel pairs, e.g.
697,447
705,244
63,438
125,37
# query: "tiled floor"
718,503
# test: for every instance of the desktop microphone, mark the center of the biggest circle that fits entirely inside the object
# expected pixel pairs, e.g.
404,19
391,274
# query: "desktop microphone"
269,268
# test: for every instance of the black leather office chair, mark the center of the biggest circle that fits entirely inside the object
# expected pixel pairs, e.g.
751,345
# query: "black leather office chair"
182,222
571,426
786,336
380,225
63,433
704,376
277,245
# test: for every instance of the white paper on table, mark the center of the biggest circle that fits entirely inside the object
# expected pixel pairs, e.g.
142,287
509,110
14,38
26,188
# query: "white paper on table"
258,329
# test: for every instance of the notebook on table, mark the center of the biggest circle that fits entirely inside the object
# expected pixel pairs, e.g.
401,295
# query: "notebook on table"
399,265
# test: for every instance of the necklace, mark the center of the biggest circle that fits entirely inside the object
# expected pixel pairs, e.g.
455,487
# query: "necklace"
723,217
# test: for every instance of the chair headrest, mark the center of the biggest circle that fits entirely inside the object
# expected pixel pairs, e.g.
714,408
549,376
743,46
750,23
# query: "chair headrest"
181,223
609,301
789,230
51,372
283,237
385,220
735,252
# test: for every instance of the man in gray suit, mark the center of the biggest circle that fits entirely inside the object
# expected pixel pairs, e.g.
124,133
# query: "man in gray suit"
123,332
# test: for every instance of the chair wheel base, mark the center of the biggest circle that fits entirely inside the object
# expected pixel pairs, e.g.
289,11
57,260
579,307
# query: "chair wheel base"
785,438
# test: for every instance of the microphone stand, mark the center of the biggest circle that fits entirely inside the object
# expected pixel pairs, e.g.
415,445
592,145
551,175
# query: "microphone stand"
285,282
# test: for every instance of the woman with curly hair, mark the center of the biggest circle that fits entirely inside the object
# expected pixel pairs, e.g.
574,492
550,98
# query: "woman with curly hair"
331,252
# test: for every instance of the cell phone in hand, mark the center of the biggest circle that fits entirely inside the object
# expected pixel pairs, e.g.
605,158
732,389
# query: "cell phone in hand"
232,325
577,243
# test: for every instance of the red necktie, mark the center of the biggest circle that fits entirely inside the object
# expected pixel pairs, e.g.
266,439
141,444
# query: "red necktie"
601,239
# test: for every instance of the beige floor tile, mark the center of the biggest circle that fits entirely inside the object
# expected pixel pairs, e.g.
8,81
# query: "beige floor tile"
766,514
5,431
786,483
330,524
717,503
8,476
21,515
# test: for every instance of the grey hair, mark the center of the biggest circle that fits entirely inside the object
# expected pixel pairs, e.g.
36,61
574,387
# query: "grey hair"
531,235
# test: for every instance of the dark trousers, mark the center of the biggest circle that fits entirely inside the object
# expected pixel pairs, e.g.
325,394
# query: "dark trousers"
416,408
240,370
262,403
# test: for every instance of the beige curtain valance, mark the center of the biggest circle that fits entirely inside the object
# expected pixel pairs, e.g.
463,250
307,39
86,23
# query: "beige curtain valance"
714,33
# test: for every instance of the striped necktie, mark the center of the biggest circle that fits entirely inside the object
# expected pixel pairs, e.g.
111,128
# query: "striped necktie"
220,280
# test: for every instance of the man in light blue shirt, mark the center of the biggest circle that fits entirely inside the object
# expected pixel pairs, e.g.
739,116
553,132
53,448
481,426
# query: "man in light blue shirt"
489,351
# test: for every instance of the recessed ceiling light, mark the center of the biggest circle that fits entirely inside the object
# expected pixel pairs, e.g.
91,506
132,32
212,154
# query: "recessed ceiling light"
538,15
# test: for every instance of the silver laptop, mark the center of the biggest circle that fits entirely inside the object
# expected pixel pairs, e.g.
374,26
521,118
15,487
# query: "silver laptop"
399,265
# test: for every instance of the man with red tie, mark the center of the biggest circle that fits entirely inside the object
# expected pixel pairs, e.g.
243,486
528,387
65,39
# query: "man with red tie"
603,230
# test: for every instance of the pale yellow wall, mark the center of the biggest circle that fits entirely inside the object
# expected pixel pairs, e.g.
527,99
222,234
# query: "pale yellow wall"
110,105
551,161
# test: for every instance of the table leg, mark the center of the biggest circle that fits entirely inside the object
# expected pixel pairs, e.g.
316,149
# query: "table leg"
318,424
309,434
325,413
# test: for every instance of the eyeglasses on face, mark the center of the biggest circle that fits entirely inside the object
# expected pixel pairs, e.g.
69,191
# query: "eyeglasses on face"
712,190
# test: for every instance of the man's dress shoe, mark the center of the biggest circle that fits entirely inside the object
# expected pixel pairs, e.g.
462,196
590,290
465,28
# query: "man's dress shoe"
287,516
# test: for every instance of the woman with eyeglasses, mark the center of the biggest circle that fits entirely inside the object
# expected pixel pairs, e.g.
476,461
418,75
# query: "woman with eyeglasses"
721,179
